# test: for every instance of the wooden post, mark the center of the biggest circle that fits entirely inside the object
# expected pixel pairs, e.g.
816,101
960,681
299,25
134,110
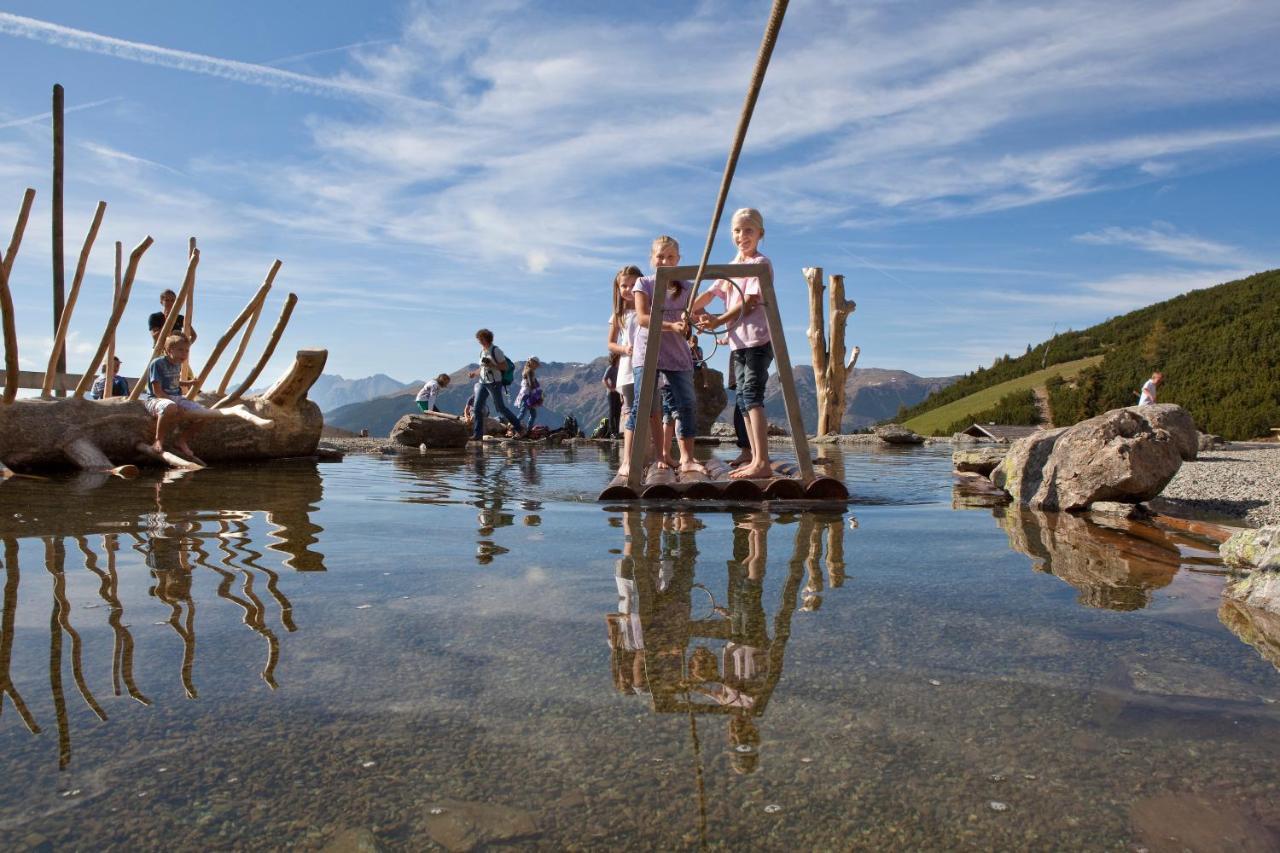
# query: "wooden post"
109,334
6,300
111,344
189,328
786,378
285,313
252,310
60,363
60,336
829,368
170,319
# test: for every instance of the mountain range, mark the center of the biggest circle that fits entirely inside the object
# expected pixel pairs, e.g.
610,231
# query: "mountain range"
873,394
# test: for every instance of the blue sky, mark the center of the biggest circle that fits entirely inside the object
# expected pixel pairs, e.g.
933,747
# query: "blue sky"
979,172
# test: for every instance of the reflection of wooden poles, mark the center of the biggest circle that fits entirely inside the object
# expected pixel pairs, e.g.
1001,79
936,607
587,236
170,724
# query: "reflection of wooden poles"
109,334
255,612
6,299
285,313
170,319
829,368
835,552
7,688
58,358
60,364
249,314
108,591
110,374
60,621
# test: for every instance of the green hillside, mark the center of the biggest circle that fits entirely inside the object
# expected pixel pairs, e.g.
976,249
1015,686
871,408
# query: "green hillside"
1219,349
940,420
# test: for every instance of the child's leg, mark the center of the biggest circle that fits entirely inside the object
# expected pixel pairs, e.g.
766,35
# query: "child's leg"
739,417
165,421
753,375
680,382
500,405
479,411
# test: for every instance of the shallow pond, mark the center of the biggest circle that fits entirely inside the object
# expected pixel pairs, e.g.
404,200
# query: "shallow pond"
461,649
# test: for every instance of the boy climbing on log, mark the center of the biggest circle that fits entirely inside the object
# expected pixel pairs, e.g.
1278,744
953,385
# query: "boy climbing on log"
163,398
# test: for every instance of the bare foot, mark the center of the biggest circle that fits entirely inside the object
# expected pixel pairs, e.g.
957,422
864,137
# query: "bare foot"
158,446
663,465
743,458
187,453
692,466
624,471
752,472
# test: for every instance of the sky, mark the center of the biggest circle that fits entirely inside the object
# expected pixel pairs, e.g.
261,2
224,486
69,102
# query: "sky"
981,173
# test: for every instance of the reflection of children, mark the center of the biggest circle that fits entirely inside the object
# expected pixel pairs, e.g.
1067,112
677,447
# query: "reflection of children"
674,360
750,347
426,398
163,398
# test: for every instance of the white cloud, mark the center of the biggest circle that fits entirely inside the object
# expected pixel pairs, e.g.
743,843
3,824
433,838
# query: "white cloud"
1164,239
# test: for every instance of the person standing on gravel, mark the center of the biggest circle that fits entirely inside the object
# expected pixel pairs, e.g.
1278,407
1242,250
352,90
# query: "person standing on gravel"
1147,396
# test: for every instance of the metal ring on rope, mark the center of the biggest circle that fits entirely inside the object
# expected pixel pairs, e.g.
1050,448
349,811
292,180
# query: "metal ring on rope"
715,336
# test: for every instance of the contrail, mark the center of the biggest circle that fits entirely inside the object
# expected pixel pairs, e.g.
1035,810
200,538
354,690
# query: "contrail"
17,122
285,60
196,63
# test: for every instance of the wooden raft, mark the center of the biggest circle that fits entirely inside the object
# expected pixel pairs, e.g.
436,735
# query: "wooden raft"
785,485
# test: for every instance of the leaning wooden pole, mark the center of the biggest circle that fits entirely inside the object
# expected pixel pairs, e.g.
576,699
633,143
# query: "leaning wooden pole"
57,356
190,324
59,283
110,372
244,341
252,310
117,311
285,313
6,299
170,319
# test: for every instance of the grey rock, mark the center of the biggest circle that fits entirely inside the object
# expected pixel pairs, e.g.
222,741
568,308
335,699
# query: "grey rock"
1255,626
1116,456
1253,549
978,460
1259,590
1178,422
434,429
1021,470
353,841
460,826
708,389
898,434
1116,508
1207,441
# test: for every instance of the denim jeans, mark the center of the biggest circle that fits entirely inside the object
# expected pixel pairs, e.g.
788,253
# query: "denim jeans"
751,368
678,396
521,411
485,390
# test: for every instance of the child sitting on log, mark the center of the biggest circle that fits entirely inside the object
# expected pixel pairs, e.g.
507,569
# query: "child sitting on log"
163,398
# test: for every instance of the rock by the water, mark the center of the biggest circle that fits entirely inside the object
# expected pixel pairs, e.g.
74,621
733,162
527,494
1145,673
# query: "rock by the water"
708,389
1253,549
898,434
1178,422
353,841
434,429
1207,441
1259,628
1116,456
460,826
1259,590
1021,470
720,429
1116,508
978,460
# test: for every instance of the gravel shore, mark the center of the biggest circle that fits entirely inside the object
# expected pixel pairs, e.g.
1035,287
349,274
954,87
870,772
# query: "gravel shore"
1239,482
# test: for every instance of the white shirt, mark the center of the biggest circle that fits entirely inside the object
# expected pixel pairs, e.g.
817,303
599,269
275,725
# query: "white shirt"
1148,393
428,393
627,335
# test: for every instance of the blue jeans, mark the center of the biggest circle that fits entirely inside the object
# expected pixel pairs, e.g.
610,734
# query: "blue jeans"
485,390
531,411
751,369
678,397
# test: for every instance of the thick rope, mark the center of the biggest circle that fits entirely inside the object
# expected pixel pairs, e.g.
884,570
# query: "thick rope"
744,121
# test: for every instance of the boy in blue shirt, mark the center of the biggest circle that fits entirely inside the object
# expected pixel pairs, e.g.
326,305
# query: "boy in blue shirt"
163,398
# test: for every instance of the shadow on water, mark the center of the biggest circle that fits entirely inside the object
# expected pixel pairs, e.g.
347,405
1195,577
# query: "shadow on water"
180,525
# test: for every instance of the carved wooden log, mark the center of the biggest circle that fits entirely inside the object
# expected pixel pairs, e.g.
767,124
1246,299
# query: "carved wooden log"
829,369
59,354
36,433
6,299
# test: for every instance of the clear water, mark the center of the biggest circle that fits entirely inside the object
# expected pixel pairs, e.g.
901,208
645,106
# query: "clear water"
265,657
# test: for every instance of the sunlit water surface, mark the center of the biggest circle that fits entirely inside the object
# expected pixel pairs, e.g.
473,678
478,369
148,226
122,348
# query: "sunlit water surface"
269,656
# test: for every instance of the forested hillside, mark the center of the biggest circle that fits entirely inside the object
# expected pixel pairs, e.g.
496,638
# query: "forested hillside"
1219,349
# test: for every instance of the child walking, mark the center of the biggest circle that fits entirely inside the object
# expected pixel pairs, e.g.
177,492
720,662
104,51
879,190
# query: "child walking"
750,347
426,398
675,362
493,367
529,400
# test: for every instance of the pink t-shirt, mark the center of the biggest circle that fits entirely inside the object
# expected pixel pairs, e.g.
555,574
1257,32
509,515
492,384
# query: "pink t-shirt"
752,328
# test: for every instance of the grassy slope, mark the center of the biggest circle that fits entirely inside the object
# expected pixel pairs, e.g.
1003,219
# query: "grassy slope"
937,419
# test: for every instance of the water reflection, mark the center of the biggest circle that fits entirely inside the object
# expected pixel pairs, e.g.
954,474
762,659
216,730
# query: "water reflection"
175,525
698,646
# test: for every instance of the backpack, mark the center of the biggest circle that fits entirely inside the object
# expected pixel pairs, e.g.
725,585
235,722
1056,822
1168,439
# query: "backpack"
602,430
508,373
533,397
570,427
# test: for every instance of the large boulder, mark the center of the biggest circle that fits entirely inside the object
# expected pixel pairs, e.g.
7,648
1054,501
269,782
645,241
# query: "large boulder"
981,459
434,429
1117,456
1259,590
708,389
1178,422
1259,628
898,434
1253,549
1021,470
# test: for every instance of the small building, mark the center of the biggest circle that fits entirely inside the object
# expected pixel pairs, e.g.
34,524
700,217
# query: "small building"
999,432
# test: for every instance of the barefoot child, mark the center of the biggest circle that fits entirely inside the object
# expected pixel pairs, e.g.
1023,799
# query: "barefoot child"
674,360
163,398
750,348
622,335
